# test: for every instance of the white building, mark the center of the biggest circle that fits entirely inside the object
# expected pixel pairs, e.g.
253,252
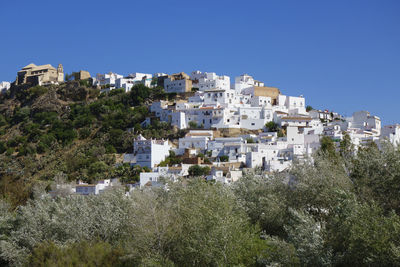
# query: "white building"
197,139
4,86
209,80
245,81
107,79
391,133
364,121
323,115
153,178
150,152
143,78
178,83
95,189
294,105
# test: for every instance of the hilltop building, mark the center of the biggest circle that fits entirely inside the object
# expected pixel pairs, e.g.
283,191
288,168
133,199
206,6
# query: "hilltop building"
178,83
39,75
81,75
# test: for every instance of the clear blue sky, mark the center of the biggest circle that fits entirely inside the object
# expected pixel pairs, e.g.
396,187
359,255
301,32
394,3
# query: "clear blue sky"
341,55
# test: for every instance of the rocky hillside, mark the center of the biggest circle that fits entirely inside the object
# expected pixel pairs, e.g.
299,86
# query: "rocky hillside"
70,131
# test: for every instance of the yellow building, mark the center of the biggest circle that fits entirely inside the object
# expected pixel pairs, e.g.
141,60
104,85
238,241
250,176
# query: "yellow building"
38,75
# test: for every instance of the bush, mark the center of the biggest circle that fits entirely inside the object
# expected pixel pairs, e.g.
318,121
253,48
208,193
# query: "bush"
3,147
21,115
192,125
84,133
224,158
116,92
250,140
37,91
82,254
3,120
9,151
197,170
272,126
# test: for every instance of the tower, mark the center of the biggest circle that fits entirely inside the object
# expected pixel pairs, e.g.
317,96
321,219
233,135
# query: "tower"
60,73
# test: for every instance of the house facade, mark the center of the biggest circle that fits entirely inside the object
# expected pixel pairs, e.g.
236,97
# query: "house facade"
40,75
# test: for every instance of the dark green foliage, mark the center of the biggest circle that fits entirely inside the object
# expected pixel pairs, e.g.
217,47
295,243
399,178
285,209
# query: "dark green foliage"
64,132
3,121
21,115
328,146
250,140
171,160
78,254
84,133
3,147
37,91
197,170
116,92
193,125
85,83
272,126
224,158
309,108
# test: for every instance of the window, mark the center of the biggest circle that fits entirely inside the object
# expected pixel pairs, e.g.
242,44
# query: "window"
252,123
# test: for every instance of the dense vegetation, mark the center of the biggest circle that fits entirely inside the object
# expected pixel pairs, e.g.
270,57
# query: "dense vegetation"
339,209
71,131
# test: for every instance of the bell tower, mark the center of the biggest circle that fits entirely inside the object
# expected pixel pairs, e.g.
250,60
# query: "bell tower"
60,73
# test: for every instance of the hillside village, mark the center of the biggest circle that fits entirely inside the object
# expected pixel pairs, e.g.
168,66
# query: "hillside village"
231,126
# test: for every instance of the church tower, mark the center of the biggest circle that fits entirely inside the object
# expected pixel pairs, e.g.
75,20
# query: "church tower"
60,73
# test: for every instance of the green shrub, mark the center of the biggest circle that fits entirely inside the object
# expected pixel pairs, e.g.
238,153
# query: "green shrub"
224,158
197,170
192,125
84,133
37,91
272,126
3,147
10,151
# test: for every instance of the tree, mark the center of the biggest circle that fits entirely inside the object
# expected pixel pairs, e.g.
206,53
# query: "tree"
197,170
250,140
309,108
192,125
328,146
346,147
376,176
224,158
272,126
213,231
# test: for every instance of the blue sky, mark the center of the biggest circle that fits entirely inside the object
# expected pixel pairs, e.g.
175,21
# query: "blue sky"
341,55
